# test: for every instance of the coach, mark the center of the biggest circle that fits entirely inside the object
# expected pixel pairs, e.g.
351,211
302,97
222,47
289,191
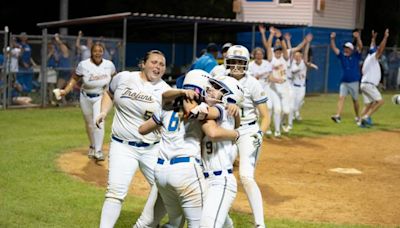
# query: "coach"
350,80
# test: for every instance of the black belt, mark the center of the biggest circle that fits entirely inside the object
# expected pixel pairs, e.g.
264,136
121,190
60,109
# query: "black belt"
133,143
297,85
91,95
369,83
176,160
216,173
251,123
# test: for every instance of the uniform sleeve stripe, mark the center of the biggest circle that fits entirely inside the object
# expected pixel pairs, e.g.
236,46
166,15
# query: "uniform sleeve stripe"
221,112
158,122
261,101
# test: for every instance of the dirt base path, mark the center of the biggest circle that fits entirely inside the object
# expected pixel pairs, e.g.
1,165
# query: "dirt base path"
300,179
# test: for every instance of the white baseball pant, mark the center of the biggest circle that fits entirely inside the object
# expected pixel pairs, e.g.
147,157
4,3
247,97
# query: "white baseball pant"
249,154
124,160
91,109
221,192
183,189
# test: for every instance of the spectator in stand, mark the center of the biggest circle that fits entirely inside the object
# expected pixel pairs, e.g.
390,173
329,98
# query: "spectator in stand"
349,59
208,61
394,64
15,54
25,71
83,51
64,63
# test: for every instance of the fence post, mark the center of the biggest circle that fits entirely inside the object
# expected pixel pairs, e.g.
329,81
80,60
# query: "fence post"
327,69
43,69
6,65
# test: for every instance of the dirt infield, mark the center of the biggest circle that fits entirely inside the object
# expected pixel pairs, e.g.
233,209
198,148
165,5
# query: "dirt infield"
296,180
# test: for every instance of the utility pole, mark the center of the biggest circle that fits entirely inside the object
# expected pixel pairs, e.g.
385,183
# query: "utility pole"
64,15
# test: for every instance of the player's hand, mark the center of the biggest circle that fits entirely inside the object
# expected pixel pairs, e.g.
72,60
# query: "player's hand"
190,94
262,29
63,92
287,36
200,112
356,34
233,109
309,37
386,33
100,119
257,139
333,35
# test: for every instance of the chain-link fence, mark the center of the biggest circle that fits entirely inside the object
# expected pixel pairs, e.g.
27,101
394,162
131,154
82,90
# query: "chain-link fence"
21,77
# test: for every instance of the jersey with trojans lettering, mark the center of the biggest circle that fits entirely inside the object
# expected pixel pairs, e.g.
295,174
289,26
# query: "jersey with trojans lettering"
173,141
135,102
254,94
216,155
95,77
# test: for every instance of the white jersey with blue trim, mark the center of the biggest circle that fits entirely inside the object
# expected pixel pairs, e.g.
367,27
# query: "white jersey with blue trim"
299,72
135,102
254,94
95,77
173,143
216,155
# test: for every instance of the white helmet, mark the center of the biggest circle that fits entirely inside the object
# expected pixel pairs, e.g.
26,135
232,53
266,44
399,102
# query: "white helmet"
231,89
196,80
396,99
237,52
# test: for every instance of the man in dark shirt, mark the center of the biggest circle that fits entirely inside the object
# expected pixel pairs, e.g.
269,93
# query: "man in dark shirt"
349,59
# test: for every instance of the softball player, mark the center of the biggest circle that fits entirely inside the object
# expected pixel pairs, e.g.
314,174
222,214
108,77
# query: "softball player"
96,74
136,95
254,102
371,77
216,159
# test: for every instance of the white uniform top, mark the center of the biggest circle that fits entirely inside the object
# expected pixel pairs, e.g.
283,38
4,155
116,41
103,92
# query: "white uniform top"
299,72
15,54
279,68
371,70
216,155
135,102
254,94
265,68
95,77
218,70
173,136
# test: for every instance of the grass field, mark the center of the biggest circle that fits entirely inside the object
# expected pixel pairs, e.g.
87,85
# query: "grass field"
35,193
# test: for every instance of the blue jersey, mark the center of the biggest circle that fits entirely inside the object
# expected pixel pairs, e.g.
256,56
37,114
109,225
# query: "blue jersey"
206,62
350,67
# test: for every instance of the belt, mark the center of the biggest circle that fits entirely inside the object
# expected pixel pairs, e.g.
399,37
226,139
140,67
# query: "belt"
251,123
176,160
133,143
91,95
297,85
216,173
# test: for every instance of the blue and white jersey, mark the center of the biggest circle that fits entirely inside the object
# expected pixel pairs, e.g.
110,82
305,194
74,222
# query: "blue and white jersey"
216,155
254,94
135,100
173,136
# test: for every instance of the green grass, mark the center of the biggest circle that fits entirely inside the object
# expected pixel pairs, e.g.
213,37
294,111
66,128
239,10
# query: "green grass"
35,193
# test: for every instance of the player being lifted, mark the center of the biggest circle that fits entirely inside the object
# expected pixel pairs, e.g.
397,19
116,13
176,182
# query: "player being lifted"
253,108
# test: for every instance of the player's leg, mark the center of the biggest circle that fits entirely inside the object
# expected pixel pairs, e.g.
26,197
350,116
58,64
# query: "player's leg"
221,193
87,111
192,190
354,92
98,133
123,163
249,154
154,209
277,111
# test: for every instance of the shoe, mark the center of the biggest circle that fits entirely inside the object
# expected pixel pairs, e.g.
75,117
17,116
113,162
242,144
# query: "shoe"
366,122
268,132
336,119
99,156
285,129
297,116
91,152
277,134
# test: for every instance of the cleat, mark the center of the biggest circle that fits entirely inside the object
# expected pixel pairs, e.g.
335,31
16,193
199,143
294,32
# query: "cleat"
99,156
336,119
91,152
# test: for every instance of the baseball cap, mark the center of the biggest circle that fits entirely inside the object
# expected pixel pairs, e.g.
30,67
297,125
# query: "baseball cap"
349,45
212,47
226,46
